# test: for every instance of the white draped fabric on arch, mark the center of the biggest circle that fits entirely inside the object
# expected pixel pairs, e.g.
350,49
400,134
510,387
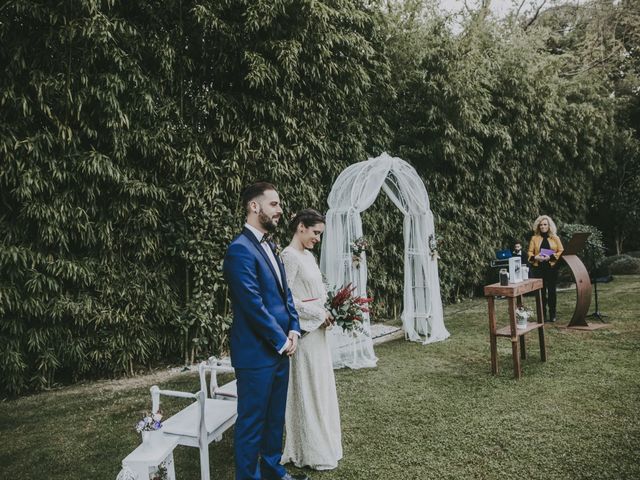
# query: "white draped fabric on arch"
353,192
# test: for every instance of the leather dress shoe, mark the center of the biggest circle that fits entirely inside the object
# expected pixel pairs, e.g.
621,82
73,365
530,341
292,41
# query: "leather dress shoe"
288,476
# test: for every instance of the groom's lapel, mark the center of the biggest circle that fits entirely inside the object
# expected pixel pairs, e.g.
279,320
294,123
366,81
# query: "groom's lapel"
256,243
283,274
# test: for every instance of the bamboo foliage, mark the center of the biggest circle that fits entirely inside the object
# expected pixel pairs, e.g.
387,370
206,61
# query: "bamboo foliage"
500,137
89,148
128,130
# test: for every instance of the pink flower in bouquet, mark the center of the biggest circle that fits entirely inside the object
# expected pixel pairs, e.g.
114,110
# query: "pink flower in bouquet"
348,309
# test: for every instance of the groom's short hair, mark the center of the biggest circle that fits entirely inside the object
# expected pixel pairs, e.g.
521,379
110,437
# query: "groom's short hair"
254,191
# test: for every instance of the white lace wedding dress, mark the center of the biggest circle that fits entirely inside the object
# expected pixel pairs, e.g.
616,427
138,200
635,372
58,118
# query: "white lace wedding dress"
313,436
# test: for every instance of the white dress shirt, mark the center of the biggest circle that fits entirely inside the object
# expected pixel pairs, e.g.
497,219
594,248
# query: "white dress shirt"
265,246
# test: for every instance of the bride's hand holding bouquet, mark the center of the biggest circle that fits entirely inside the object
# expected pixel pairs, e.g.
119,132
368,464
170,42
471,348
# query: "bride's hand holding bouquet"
329,320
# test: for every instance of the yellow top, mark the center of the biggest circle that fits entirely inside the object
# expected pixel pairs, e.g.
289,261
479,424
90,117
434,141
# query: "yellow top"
554,244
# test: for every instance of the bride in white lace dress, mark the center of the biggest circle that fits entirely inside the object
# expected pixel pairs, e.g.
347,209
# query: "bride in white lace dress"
313,436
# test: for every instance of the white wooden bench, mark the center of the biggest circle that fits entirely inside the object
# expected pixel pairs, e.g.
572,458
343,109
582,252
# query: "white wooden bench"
146,459
228,391
197,425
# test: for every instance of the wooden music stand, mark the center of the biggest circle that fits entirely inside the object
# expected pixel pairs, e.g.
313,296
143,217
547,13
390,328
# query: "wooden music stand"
583,282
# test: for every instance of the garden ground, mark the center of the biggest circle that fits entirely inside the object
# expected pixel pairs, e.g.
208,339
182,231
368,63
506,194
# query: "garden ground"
426,412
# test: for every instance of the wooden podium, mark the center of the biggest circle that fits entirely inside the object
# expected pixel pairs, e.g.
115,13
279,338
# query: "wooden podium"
583,282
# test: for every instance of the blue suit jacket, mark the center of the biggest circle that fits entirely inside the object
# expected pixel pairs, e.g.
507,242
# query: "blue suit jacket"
263,312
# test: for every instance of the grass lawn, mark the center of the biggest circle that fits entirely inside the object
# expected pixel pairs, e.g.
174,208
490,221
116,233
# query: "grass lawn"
426,412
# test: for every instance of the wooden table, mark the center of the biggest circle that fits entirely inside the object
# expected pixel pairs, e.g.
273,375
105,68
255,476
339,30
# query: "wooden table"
514,293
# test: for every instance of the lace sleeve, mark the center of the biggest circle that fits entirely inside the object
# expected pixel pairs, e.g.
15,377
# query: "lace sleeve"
311,313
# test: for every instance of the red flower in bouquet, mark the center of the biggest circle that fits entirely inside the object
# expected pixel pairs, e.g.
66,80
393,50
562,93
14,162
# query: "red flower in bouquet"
348,309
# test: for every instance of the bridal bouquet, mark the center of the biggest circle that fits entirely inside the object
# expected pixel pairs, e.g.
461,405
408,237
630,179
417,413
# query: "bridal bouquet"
348,309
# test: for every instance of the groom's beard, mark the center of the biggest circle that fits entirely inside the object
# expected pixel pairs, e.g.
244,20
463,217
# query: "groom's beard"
267,222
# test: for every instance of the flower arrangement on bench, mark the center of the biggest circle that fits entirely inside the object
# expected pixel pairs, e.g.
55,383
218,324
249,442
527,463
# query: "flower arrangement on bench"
150,422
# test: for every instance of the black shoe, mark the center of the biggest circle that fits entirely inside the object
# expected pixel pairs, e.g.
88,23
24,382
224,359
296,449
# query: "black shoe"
288,476
550,320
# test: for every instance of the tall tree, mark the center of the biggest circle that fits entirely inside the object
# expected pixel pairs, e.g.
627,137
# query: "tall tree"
498,133
616,204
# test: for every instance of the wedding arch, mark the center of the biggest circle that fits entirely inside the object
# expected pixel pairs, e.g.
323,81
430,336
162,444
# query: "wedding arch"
355,190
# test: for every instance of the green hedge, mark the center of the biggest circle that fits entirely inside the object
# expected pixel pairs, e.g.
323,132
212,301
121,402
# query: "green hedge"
128,129
499,136
620,265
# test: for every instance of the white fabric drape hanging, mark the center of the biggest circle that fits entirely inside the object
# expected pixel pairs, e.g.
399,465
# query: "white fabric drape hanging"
353,192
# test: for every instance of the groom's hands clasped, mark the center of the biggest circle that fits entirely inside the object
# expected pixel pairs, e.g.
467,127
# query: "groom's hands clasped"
293,337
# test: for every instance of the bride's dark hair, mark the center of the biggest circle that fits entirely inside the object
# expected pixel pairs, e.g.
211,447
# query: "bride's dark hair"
308,217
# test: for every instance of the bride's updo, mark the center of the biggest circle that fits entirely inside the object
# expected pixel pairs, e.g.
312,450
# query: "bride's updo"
308,217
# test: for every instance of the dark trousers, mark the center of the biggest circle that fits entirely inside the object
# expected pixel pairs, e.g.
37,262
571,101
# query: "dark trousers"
262,398
549,276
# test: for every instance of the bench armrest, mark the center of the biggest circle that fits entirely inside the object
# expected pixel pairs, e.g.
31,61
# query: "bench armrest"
213,366
156,392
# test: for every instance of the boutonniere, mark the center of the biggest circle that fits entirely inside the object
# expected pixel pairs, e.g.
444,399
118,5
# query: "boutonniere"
277,250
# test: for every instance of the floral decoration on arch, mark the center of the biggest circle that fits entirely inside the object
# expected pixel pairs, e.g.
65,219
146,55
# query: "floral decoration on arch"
433,247
358,247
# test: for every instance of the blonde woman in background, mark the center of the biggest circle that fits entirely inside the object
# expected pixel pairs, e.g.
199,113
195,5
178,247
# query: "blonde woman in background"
545,249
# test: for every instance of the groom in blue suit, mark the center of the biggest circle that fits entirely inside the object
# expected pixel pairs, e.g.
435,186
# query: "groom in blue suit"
264,334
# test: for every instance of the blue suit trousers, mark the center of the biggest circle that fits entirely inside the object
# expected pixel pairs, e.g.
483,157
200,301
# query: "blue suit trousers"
262,399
